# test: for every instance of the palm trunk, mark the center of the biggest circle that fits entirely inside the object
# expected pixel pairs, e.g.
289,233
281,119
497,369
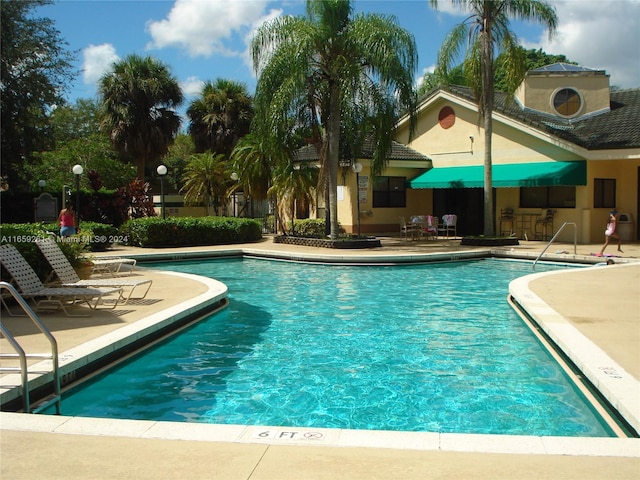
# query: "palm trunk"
333,156
486,67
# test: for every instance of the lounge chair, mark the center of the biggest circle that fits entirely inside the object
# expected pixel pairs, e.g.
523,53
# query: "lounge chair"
31,288
112,265
69,278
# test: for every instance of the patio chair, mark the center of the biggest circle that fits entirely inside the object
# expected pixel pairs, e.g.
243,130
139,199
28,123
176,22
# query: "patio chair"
69,278
430,228
407,228
448,225
43,298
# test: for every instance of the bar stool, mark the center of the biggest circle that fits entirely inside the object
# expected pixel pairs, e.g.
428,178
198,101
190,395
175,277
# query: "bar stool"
506,220
543,224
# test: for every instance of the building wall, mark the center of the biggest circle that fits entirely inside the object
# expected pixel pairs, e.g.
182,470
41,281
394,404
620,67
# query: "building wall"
537,91
379,220
511,143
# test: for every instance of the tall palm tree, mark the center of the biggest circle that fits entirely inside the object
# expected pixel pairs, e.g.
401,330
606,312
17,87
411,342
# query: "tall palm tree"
336,71
486,31
139,96
205,180
220,116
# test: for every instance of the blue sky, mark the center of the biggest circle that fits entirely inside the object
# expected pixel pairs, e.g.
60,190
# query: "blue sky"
203,40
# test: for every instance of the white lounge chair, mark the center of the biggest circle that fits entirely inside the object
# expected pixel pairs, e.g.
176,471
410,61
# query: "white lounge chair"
69,278
112,265
31,288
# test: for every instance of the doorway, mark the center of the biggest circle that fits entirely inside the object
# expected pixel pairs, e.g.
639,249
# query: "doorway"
466,203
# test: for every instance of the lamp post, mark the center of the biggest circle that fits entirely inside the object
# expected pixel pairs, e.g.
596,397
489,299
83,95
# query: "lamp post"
357,168
42,184
77,171
162,171
234,177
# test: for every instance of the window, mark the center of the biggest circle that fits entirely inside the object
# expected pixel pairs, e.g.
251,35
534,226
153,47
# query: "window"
604,193
567,102
548,197
389,192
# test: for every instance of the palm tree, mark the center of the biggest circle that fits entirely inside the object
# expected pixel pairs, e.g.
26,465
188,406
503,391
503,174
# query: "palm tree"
293,186
205,180
486,31
221,116
253,160
138,97
335,73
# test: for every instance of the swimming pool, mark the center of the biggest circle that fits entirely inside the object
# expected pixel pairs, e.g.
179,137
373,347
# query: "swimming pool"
430,347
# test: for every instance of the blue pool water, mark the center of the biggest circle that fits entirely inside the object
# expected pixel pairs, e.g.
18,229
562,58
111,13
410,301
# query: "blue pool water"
429,347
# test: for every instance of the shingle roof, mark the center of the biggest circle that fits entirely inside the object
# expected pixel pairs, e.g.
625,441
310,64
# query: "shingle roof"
398,152
619,128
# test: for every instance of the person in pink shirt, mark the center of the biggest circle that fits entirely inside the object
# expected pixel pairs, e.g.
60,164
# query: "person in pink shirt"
67,220
610,232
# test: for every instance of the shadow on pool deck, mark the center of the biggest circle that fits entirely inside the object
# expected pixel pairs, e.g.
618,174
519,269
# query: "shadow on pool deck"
603,304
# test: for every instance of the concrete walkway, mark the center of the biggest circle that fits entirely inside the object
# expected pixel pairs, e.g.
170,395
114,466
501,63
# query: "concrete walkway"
599,307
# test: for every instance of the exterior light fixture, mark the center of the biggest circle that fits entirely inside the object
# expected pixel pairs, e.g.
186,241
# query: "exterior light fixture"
162,171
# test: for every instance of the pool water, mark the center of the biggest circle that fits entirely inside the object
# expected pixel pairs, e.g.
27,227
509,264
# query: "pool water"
431,347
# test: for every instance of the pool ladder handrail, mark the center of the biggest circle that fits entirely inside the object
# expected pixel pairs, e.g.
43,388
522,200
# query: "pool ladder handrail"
20,353
575,241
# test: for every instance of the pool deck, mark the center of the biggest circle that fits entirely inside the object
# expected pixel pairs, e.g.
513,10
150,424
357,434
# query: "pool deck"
593,314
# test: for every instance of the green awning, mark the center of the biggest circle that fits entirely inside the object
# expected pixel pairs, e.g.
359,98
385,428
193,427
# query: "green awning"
545,174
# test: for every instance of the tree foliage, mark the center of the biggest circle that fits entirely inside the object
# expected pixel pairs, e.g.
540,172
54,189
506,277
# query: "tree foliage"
206,180
533,59
139,96
77,139
176,160
36,69
220,116
338,75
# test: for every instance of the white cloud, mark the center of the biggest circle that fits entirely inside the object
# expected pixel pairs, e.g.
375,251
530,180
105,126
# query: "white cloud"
604,35
204,28
97,60
192,86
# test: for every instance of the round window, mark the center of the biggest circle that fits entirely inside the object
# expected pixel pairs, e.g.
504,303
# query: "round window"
446,117
567,102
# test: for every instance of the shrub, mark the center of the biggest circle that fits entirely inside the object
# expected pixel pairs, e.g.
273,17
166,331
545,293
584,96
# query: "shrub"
97,236
189,231
310,227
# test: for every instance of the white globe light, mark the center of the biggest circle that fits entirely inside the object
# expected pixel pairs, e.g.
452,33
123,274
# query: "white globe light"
162,170
234,176
77,169
357,167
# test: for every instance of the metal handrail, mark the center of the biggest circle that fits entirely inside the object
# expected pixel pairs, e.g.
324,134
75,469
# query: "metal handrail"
575,241
24,373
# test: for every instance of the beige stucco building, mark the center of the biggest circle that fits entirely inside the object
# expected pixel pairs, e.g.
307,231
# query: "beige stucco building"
566,144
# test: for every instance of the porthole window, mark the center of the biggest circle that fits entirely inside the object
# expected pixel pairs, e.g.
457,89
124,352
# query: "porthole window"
446,117
567,102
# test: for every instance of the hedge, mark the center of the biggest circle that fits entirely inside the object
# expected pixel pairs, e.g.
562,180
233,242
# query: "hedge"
97,236
189,231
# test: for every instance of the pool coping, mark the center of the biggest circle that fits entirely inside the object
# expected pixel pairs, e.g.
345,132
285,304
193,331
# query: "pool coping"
479,443
617,385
